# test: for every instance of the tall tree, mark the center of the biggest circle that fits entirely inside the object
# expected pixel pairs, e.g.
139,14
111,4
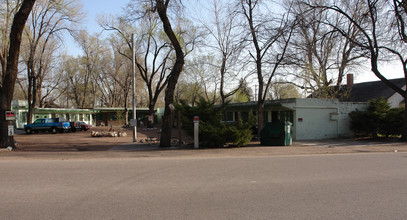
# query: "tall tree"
269,39
201,73
222,28
321,55
9,73
382,36
93,49
161,7
153,52
47,20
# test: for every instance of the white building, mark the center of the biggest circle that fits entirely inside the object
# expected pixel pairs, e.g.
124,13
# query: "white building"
312,119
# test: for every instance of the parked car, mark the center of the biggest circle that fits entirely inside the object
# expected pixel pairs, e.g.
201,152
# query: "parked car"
47,124
75,126
84,126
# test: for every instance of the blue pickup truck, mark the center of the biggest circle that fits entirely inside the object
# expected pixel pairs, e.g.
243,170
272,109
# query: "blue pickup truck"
47,124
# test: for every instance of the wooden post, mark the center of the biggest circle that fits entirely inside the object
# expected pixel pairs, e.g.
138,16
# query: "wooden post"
179,128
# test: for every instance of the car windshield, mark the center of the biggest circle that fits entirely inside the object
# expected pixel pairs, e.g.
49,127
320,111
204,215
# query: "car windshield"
38,121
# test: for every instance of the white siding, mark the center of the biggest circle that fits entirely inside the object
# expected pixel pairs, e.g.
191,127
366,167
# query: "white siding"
316,119
396,99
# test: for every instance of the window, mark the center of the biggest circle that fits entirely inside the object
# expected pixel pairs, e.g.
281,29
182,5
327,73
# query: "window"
23,117
38,121
274,116
287,116
245,116
229,116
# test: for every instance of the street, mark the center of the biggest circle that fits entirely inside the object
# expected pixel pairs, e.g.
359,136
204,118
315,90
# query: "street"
342,186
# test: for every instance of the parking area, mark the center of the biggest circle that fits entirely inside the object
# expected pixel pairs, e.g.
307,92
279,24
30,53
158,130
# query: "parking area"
76,145
80,140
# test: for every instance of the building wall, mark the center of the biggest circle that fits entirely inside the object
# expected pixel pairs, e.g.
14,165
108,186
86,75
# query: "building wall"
396,99
21,117
317,119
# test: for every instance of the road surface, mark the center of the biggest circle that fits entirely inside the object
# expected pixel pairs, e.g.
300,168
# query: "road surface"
351,186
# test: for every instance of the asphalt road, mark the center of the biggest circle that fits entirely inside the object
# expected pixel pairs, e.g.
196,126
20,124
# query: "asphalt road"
351,186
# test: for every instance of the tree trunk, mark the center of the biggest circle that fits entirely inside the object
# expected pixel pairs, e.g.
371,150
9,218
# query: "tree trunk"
173,77
222,79
151,113
32,98
404,131
10,76
260,116
260,97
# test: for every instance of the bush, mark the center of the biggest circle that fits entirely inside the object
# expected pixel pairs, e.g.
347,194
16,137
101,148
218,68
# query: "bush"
379,119
212,132
393,124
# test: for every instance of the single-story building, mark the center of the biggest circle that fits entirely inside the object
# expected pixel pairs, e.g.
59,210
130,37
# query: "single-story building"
115,116
20,107
312,119
94,117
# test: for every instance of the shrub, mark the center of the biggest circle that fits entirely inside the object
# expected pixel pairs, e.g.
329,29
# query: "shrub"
393,123
378,119
212,132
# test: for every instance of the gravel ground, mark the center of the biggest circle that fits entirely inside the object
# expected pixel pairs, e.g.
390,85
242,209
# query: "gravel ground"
80,145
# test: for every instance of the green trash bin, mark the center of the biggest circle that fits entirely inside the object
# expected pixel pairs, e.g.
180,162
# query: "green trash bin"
276,134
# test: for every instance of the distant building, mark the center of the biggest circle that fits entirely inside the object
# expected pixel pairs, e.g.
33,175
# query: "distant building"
366,91
363,92
95,117
21,109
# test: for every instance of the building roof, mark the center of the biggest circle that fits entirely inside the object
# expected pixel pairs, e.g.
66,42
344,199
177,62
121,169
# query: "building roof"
363,92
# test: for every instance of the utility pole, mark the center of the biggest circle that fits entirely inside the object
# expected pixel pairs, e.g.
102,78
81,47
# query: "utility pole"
133,69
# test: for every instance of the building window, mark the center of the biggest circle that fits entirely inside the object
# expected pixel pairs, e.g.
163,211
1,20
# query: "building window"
287,116
23,117
274,116
245,116
229,116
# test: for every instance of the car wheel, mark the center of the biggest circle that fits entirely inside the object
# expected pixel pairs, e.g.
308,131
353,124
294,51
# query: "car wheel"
28,131
54,130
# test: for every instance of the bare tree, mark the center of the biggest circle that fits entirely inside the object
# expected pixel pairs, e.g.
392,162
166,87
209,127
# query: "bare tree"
225,39
203,78
153,53
93,49
161,7
269,39
319,52
382,36
9,73
47,20
7,15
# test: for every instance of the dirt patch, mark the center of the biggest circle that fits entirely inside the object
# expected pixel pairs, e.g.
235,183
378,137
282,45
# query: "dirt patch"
83,141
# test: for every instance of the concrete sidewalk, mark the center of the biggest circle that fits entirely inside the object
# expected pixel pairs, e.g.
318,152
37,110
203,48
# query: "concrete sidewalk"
297,148
152,150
